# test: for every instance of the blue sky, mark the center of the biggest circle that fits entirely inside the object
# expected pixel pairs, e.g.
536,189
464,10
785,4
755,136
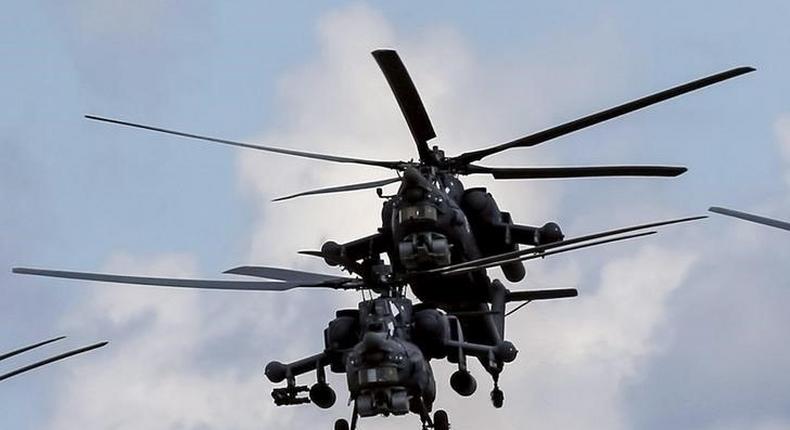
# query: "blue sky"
682,330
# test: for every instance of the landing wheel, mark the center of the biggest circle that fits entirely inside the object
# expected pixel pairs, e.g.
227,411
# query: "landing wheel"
341,424
440,420
497,398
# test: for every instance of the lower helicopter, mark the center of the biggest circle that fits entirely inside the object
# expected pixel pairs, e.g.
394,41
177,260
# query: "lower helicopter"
385,345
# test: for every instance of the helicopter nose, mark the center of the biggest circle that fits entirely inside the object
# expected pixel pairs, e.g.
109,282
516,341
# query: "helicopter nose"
411,176
373,341
413,185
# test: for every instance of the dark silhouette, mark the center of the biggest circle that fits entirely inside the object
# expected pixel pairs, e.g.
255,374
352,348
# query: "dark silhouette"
753,218
47,360
440,240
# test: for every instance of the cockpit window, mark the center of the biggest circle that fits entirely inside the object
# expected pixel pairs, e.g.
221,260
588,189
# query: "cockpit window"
417,213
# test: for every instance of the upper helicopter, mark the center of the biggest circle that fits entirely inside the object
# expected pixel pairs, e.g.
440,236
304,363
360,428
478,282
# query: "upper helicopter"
432,222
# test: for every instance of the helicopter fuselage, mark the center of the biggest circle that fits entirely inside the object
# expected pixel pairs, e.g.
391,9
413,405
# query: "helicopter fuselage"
427,229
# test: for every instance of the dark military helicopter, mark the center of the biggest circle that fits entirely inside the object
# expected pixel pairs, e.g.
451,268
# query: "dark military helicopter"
46,361
433,224
433,221
385,345
750,217
440,239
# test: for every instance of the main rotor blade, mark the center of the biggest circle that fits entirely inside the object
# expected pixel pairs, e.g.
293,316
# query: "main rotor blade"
499,258
342,283
473,268
289,275
408,99
334,158
52,360
530,295
575,172
750,217
29,347
340,189
605,115
348,264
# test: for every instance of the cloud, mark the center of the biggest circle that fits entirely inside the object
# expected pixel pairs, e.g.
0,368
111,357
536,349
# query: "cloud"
580,354
150,376
782,129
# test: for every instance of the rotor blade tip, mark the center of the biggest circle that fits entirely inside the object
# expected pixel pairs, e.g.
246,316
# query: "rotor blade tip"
233,270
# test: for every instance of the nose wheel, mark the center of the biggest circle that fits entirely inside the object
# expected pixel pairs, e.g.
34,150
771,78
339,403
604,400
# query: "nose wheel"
440,420
497,396
341,424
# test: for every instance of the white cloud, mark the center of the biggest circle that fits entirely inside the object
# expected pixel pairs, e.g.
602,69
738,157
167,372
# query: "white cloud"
782,128
150,375
579,354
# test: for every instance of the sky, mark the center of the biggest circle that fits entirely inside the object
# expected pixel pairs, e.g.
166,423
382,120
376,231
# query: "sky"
685,329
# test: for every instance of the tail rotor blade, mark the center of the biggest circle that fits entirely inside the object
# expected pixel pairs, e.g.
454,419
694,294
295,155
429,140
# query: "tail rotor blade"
408,99
599,117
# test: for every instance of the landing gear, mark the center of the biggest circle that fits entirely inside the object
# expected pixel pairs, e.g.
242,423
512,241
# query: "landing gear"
497,397
440,420
341,424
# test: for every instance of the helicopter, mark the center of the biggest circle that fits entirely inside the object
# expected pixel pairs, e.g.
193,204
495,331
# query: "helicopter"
385,345
46,361
440,240
750,217
433,225
432,221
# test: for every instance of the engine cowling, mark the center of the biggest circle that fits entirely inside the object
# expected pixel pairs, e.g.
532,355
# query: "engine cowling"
341,334
430,331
